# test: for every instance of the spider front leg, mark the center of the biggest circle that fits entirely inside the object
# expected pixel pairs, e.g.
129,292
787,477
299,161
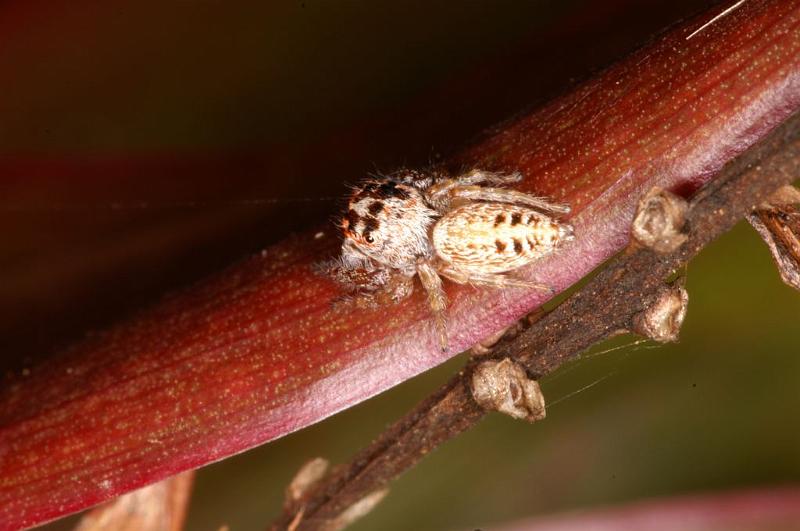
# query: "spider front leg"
370,287
489,177
398,288
442,193
496,280
437,300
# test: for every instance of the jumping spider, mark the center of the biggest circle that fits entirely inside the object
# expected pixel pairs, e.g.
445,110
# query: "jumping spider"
466,229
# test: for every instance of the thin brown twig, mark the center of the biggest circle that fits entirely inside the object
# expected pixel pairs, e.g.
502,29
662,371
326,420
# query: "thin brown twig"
607,304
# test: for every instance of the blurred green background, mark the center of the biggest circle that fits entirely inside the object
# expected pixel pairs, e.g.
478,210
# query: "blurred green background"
145,145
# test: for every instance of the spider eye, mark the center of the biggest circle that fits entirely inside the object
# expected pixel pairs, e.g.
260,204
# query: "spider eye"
368,238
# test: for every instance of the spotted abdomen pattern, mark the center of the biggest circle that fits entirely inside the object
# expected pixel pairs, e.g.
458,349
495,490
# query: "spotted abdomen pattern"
496,237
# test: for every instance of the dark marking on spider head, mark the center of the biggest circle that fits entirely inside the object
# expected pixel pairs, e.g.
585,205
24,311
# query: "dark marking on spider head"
375,208
381,190
371,224
420,180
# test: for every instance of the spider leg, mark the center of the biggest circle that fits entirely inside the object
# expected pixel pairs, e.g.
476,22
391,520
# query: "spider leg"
497,280
437,300
489,177
367,286
504,195
442,192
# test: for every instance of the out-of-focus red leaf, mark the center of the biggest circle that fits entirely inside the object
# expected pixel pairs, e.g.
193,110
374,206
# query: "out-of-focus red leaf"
259,351
761,510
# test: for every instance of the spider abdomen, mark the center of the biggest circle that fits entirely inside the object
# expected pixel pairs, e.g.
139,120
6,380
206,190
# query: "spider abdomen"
496,237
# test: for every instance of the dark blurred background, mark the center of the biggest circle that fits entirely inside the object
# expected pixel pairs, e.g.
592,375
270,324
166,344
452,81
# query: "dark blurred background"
145,145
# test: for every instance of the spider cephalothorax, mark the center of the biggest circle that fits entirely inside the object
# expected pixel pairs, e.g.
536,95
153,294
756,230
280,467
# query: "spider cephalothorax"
465,229
388,222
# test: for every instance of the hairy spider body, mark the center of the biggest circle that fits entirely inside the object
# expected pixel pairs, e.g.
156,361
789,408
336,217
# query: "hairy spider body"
388,223
494,237
426,224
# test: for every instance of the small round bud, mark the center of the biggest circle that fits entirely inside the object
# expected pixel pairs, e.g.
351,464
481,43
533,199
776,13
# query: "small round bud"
356,511
662,321
309,475
659,221
505,387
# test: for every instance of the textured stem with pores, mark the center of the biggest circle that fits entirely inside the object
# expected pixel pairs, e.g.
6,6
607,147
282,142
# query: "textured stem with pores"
259,352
